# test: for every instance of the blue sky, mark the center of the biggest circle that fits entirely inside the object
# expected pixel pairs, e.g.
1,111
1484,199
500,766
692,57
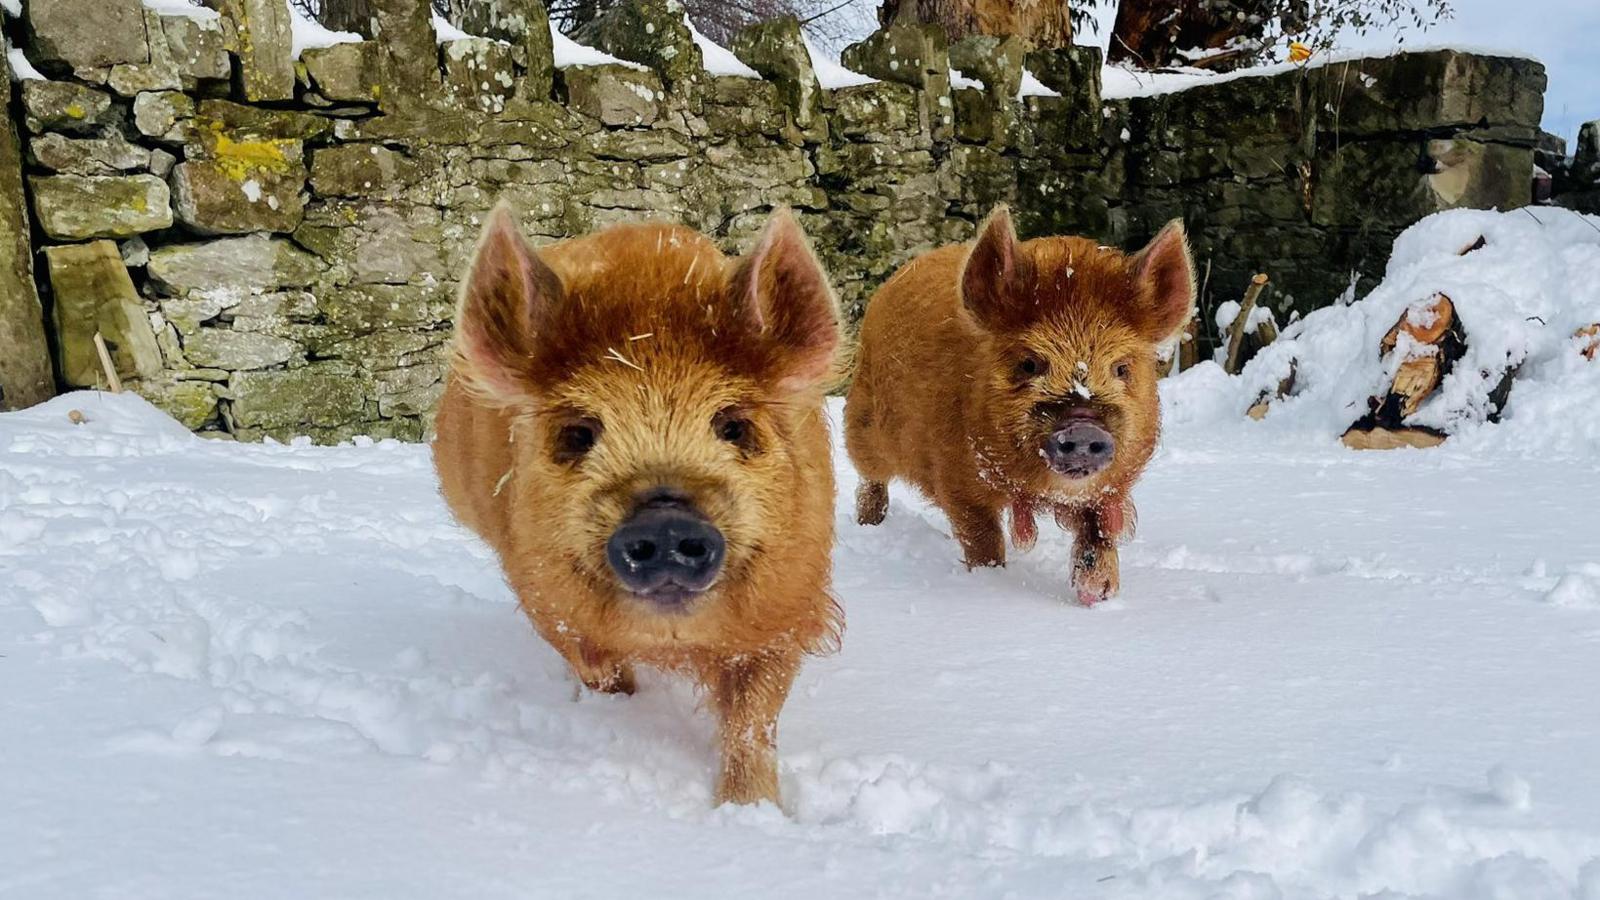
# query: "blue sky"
1563,34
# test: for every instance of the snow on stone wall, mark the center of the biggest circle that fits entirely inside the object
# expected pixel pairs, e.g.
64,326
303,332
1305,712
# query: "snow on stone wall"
271,243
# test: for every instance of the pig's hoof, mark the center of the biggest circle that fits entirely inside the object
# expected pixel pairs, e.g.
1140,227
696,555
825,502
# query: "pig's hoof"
747,793
618,680
872,502
1090,596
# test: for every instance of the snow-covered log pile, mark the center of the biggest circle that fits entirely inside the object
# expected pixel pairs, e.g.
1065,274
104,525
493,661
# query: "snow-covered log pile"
1482,316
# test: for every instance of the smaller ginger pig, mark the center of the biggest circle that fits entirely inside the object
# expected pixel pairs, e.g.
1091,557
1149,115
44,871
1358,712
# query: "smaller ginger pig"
1020,375
634,423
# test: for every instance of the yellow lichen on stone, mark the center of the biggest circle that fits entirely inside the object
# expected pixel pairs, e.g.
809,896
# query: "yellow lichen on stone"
240,159
76,111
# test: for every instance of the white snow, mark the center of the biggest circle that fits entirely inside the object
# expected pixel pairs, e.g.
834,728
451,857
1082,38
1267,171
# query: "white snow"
831,74
306,33
444,32
1033,87
1120,82
280,671
959,80
571,54
1228,311
184,8
1520,298
21,68
717,59
11,8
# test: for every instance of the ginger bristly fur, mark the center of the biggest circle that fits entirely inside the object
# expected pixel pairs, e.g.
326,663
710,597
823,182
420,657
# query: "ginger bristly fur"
650,337
969,352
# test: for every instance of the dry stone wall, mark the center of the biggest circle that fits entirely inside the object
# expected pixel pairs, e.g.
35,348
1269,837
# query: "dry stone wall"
271,245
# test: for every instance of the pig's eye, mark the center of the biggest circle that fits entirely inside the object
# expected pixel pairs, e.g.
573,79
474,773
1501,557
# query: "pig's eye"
576,439
1123,370
1031,366
732,426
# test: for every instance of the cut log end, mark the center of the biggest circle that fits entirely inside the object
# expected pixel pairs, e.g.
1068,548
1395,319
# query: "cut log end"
1379,438
1427,327
1438,340
1286,387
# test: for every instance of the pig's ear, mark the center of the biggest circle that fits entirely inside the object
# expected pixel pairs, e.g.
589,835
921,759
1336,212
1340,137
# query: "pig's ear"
994,279
1165,275
784,293
506,298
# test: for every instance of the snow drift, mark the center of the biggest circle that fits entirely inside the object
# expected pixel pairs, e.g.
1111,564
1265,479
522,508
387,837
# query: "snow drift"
1520,297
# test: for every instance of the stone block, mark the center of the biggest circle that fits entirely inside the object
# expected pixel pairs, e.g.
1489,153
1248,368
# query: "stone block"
777,50
238,265
410,64
653,33
479,75
995,61
525,25
348,73
363,170
91,293
159,73
917,56
259,34
25,371
1073,72
238,351
321,394
67,36
164,116
109,155
192,403
240,195
615,95
198,47
76,207
63,106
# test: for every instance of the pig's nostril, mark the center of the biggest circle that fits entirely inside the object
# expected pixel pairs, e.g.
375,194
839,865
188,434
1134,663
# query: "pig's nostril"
666,547
1079,449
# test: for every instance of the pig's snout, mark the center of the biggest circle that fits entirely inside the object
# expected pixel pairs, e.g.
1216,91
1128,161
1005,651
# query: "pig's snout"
666,551
1080,447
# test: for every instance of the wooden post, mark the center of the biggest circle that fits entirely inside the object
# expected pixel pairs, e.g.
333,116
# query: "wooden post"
1236,332
110,368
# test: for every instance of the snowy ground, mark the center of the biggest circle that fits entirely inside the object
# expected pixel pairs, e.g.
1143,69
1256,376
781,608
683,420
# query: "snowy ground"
266,671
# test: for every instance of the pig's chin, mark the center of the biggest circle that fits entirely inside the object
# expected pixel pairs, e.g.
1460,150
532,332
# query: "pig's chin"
670,598
1071,482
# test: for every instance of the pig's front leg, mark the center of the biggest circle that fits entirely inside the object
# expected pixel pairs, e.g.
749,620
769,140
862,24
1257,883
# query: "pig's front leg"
977,527
1096,572
749,692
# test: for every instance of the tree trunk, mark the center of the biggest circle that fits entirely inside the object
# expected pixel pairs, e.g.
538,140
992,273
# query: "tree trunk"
1046,23
1157,34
